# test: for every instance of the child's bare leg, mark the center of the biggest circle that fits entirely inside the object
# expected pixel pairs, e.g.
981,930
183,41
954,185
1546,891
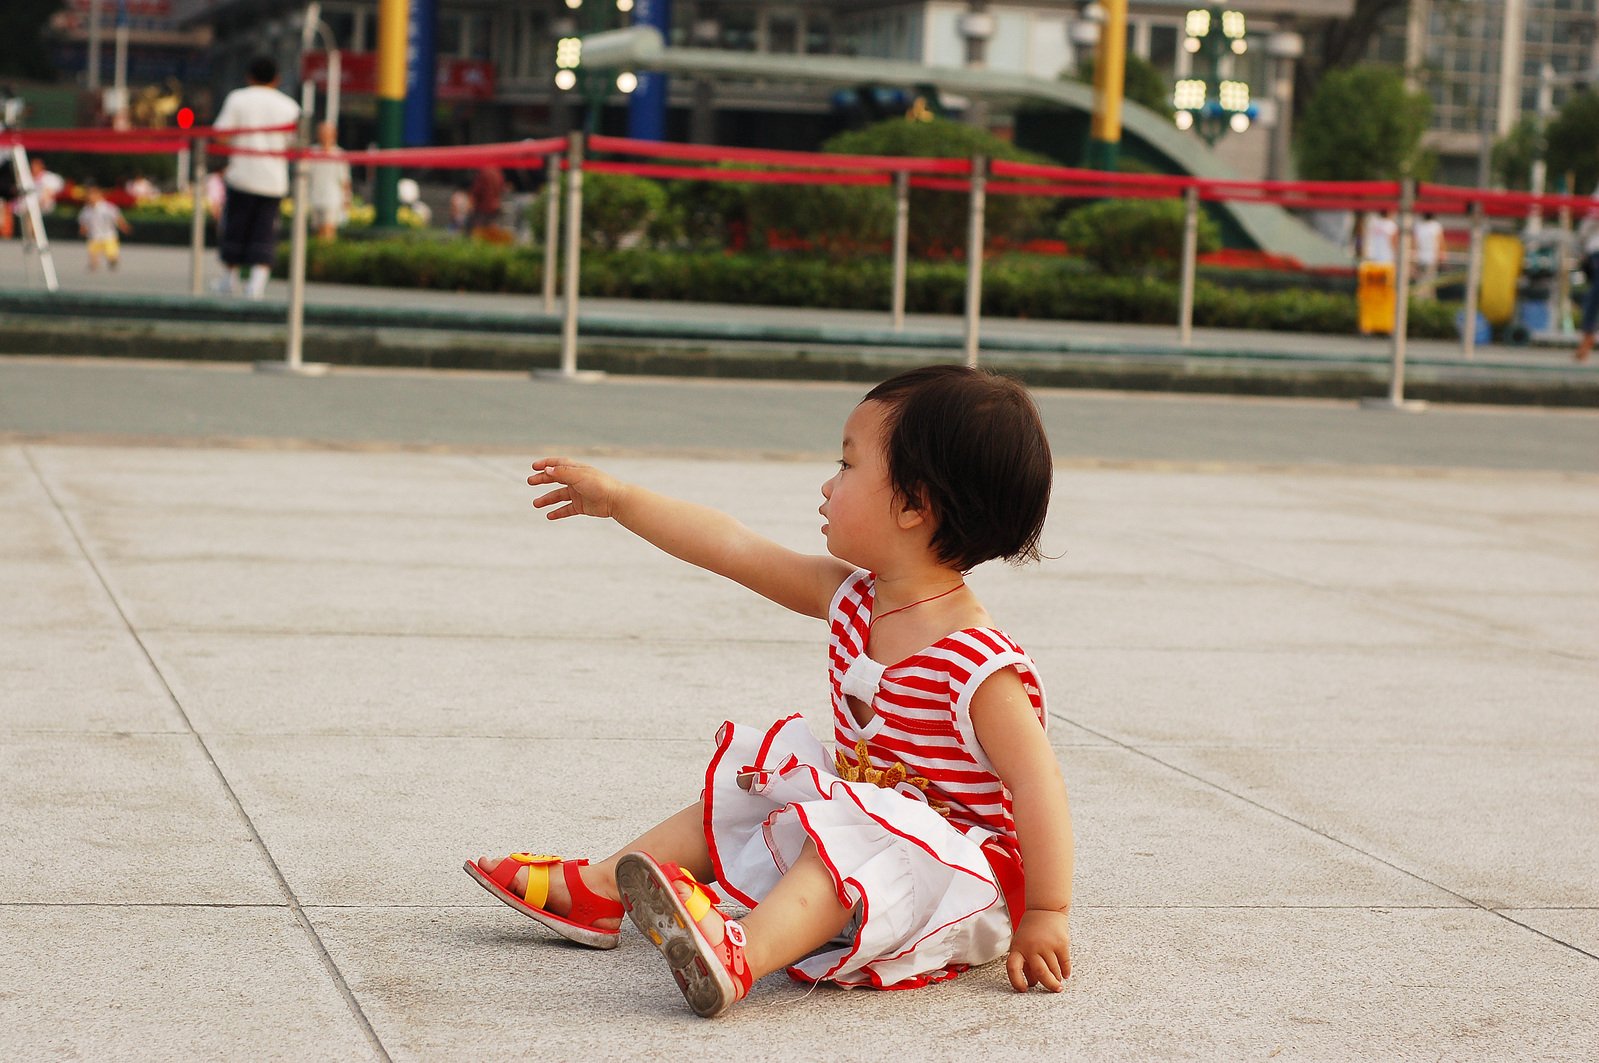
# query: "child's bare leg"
679,839
799,916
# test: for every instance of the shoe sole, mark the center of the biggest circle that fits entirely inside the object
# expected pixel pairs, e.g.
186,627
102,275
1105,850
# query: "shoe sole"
653,906
594,939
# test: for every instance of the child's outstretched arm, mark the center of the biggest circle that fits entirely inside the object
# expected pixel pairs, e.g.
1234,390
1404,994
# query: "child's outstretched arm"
1008,730
697,534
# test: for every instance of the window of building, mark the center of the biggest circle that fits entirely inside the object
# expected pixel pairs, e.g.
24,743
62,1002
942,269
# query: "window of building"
818,33
1163,45
782,32
738,29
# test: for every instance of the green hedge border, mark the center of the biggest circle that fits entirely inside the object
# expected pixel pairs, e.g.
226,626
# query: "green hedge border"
1017,286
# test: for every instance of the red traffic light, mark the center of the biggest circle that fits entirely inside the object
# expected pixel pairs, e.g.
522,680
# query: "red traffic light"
185,117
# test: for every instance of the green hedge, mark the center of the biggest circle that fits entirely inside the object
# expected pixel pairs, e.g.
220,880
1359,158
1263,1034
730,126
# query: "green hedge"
1013,286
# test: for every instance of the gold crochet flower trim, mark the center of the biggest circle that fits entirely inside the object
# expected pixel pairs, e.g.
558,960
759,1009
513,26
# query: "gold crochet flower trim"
888,778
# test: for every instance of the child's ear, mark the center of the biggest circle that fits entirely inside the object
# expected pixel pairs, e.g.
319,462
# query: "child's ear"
912,513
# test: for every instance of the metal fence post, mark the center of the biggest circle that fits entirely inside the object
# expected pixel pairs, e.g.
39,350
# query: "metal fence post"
1395,399
902,228
1185,311
574,251
974,256
552,227
299,226
1468,331
197,222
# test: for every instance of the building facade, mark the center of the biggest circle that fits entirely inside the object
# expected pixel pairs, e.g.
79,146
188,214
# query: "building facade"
1487,63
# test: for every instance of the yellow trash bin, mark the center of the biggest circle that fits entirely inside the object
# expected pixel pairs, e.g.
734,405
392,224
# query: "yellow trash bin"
1502,256
1376,298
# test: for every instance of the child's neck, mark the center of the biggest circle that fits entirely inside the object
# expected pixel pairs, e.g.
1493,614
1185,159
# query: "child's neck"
900,587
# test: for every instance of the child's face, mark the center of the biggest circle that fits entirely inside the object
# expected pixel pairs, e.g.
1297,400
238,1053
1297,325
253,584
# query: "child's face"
95,195
859,500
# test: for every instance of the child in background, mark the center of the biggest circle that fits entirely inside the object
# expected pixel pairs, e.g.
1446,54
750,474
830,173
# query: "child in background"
100,221
937,835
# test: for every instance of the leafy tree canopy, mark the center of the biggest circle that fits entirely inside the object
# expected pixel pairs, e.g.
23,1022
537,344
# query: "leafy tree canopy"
1144,83
1573,139
1363,125
1514,155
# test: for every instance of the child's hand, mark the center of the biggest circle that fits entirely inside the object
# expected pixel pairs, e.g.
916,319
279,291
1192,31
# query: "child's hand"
1040,951
585,490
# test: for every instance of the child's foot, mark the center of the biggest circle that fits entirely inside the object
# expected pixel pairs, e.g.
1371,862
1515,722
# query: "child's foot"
704,948
559,901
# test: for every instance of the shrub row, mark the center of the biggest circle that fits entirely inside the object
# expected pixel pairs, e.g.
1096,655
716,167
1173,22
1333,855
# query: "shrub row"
1013,286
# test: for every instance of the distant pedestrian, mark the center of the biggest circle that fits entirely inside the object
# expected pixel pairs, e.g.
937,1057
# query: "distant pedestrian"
257,180
936,835
101,222
460,211
1382,237
330,185
488,198
140,188
1589,236
1429,255
47,187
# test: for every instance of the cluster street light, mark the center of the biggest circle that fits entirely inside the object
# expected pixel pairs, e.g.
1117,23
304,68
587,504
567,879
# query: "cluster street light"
570,73
1211,105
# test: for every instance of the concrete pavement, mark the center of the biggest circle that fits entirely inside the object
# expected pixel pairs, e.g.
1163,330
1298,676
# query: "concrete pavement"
1328,724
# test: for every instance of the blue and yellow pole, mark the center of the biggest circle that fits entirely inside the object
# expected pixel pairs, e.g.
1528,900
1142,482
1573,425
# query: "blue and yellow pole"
394,18
1110,78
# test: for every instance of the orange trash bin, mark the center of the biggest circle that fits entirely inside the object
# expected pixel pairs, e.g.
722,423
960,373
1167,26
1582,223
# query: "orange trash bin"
1376,298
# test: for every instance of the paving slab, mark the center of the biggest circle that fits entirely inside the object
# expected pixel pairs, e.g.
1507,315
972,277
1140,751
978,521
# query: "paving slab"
121,981
1460,695
126,818
1506,829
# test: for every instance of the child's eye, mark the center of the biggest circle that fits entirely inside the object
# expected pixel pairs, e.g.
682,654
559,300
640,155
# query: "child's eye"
842,464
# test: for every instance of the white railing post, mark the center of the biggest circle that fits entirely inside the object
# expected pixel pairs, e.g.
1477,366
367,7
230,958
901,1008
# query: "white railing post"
1468,331
552,227
902,229
974,256
1185,309
572,266
299,229
197,221
1395,399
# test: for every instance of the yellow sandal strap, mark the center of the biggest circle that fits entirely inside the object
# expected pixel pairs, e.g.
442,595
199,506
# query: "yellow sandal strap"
698,902
538,876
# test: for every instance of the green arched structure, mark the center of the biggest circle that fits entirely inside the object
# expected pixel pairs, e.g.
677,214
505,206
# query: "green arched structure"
1147,134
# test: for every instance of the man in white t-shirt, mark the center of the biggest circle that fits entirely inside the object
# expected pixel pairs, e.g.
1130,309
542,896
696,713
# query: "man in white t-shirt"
1429,255
1382,234
256,184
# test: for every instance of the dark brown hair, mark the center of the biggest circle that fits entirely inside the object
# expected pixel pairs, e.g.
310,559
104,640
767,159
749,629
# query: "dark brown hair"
968,446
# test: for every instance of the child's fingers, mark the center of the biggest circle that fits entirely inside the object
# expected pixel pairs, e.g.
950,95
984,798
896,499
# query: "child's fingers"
1013,967
1042,970
551,498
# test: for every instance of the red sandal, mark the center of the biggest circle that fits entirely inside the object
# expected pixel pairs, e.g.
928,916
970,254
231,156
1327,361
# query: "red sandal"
712,977
587,906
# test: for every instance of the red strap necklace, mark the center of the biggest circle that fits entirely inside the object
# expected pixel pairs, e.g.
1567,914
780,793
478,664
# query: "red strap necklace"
913,605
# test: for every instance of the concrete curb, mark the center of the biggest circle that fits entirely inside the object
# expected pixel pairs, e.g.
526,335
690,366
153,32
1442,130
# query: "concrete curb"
182,327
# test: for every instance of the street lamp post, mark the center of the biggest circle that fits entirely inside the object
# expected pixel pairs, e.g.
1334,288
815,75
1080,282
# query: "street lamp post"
1210,105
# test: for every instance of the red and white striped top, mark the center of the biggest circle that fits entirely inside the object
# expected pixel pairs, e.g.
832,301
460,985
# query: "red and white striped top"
921,711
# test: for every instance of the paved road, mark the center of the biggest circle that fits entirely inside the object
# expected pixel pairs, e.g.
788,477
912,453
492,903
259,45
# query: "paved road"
43,398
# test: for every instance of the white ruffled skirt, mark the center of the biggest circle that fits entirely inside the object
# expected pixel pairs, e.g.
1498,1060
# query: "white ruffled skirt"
926,901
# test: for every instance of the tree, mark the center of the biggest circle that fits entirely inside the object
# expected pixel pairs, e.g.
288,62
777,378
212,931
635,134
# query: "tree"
22,49
1363,125
1144,83
1572,138
1339,43
1514,155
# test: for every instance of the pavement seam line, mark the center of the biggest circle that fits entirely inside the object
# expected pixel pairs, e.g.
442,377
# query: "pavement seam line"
1352,847
293,902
